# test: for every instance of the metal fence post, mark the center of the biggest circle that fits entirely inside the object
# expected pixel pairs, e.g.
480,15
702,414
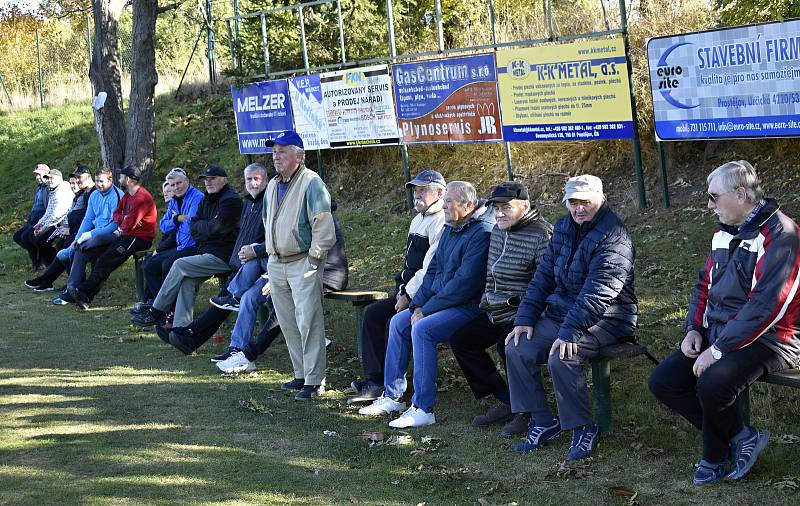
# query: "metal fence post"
265,43
39,66
507,145
439,26
637,148
212,70
3,84
662,164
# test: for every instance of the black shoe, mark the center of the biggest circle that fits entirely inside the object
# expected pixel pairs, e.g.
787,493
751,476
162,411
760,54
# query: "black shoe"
227,302
518,426
152,317
163,333
499,412
33,283
81,300
44,287
368,393
358,385
182,340
225,355
295,384
308,392
141,307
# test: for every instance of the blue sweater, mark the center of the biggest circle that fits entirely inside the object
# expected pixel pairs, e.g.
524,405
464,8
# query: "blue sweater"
188,206
100,211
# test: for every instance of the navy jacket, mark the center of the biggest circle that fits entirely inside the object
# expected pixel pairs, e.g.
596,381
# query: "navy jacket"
456,276
251,229
216,224
584,279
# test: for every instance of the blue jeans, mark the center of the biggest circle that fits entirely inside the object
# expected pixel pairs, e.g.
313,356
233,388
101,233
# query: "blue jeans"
249,304
422,338
244,278
87,252
65,255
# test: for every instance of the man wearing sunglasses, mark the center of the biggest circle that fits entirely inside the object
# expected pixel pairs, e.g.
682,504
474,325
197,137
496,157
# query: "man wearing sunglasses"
742,322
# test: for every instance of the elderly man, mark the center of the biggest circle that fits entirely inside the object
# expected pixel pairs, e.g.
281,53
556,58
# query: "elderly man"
214,228
447,299
58,205
423,238
299,232
741,323
24,235
180,210
580,299
136,218
518,242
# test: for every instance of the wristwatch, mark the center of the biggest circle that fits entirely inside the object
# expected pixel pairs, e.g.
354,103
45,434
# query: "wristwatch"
715,352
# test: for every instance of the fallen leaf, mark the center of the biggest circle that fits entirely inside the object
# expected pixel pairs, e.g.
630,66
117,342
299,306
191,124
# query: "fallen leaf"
621,491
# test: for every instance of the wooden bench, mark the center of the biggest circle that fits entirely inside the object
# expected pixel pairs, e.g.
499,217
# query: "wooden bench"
787,378
360,299
601,378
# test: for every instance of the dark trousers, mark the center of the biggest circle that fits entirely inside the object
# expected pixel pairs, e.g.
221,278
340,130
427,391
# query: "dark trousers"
470,344
156,268
708,402
46,251
114,256
27,239
375,334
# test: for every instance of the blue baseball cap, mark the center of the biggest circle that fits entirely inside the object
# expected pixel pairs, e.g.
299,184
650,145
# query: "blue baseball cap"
426,177
287,138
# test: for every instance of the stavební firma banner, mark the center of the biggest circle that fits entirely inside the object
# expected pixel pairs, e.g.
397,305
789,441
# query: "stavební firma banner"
740,82
565,92
309,114
262,111
359,107
451,100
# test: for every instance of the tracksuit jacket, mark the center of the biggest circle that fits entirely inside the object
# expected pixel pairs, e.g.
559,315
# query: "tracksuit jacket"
585,278
136,215
423,239
749,285
188,206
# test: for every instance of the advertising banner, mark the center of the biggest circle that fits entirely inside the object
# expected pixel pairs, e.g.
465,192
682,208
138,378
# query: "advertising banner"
359,108
731,83
450,100
309,115
565,92
262,111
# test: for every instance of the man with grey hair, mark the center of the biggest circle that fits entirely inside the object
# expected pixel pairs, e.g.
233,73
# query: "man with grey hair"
447,299
742,322
579,300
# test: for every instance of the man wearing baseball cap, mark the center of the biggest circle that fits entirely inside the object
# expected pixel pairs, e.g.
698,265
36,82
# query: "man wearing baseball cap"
299,232
58,204
24,235
423,238
580,299
517,244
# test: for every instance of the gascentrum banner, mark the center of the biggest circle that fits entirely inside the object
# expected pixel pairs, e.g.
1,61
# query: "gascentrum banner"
731,83
262,111
449,100
309,115
359,107
566,92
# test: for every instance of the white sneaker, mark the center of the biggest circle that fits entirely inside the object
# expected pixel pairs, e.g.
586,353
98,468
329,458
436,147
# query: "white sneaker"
413,417
382,406
237,362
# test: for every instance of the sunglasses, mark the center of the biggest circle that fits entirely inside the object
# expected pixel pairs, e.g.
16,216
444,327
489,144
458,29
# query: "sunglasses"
713,198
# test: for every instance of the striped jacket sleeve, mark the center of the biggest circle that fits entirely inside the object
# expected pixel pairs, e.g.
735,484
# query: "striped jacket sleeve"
695,318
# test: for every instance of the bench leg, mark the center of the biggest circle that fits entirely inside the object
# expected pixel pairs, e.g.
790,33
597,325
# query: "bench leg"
601,377
360,310
743,406
138,267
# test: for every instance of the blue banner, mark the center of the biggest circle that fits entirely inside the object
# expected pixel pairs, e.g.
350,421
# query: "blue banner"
262,111
604,130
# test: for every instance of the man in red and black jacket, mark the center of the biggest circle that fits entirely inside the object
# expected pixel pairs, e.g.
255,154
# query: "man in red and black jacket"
742,322
136,217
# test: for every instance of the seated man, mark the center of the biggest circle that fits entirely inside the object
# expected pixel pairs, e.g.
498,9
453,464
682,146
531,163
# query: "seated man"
741,323
82,184
518,241
580,299
423,238
180,210
58,205
24,235
214,228
136,218
447,299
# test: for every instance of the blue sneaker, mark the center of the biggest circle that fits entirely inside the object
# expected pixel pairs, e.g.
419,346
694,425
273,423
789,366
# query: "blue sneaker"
708,473
538,435
584,441
746,450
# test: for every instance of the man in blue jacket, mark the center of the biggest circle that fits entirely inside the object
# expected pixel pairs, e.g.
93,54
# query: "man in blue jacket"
742,322
579,300
24,236
447,299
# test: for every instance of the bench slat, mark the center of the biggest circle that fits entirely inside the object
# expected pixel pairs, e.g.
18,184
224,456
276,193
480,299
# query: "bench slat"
357,295
788,378
622,350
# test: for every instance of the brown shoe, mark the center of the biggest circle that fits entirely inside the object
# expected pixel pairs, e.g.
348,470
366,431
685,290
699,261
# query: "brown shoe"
498,413
516,427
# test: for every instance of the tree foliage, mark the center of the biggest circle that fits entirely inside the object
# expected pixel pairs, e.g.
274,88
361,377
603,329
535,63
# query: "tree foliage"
742,12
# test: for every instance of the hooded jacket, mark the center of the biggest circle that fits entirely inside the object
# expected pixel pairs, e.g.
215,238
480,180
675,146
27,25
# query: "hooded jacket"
216,224
188,206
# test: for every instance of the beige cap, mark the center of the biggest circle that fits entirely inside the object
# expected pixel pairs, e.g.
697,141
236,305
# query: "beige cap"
582,187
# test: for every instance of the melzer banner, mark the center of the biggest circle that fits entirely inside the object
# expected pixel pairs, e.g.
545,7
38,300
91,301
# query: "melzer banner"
309,114
262,111
736,82
448,100
359,107
565,92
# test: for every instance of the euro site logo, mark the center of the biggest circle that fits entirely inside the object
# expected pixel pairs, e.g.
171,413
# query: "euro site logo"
671,76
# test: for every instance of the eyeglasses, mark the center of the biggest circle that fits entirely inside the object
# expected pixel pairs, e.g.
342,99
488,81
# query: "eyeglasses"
713,198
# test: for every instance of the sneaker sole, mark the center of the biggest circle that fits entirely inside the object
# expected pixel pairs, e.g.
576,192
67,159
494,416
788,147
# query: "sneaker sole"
382,412
60,302
409,426
43,289
236,370
224,307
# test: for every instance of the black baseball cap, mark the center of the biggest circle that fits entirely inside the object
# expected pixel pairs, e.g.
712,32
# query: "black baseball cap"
213,171
132,172
80,170
507,191
426,177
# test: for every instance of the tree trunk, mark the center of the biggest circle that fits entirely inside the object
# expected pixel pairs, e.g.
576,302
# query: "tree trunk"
141,137
104,73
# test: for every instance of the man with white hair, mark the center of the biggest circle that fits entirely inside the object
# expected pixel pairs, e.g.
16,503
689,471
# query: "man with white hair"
741,323
421,244
447,299
579,300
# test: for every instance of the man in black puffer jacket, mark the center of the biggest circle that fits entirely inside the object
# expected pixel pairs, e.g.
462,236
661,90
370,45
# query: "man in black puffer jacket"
580,299
517,244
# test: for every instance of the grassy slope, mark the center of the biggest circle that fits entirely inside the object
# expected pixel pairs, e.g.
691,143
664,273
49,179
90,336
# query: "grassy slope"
95,411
